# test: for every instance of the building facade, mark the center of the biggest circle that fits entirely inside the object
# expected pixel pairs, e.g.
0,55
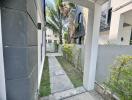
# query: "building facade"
22,48
51,37
52,40
107,29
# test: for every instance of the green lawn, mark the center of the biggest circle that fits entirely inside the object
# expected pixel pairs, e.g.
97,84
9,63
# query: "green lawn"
75,76
45,81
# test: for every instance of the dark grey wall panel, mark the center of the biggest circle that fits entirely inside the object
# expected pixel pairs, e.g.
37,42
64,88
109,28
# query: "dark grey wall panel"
14,27
19,61
18,28
14,4
15,60
32,56
22,5
32,10
14,87
26,85
32,33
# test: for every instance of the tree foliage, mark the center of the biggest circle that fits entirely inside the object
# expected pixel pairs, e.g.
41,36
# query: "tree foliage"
54,18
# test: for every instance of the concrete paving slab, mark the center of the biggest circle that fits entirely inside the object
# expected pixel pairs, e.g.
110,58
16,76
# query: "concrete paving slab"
83,96
68,93
58,78
54,54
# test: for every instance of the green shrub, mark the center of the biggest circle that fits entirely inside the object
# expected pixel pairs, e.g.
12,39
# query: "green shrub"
120,81
67,52
66,37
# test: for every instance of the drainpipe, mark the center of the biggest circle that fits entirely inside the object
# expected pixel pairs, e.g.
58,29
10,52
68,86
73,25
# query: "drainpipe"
2,72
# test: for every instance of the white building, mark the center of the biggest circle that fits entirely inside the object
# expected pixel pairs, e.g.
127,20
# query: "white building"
51,40
118,31
51,37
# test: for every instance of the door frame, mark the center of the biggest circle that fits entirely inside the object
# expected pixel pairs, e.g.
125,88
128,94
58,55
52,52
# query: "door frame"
2,71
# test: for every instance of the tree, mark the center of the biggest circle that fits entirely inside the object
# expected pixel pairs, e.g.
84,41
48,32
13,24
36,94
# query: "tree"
54,18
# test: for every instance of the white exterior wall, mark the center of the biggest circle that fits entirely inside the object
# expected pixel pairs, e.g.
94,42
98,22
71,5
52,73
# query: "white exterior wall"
126,34
116,28
104,38
2,72
41,41
117,3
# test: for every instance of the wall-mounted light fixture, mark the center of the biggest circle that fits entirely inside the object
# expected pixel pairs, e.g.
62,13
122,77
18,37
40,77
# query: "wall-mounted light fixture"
122,39
39,26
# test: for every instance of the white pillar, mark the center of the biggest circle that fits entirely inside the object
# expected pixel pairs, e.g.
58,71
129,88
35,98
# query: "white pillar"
116,28
91,46
2,72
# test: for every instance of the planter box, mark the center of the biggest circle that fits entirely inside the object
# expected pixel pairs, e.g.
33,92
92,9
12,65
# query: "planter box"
106,94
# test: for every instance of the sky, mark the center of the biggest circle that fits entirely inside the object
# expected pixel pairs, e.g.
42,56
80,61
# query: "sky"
52,1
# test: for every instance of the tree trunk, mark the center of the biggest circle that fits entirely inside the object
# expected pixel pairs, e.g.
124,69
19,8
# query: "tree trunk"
61,42
61,38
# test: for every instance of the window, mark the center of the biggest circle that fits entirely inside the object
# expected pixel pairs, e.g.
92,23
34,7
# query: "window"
55,41
49,41
55,35
109,16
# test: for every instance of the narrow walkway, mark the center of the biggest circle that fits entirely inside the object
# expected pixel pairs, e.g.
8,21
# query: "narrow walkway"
61,86
58,79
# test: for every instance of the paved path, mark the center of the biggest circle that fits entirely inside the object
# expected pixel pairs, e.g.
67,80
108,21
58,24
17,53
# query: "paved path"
58,79
82,96
61,86
54,54
86,96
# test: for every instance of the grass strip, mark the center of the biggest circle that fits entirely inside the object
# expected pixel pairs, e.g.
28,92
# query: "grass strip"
75,76
45,89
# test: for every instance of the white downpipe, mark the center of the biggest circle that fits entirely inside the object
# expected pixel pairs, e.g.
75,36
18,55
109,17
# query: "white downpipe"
2,72
41,33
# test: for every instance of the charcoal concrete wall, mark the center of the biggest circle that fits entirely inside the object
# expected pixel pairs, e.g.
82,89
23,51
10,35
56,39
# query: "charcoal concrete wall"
19,33
106,57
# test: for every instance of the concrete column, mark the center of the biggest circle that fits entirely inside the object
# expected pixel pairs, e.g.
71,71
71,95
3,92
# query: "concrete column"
20,48
91,46
2,71
116,28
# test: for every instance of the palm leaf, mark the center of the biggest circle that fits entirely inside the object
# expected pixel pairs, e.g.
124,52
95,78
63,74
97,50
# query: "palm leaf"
52,26
54,18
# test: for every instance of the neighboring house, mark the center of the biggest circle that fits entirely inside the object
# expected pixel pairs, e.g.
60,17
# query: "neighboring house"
51,37
51,40
123,12
22,48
